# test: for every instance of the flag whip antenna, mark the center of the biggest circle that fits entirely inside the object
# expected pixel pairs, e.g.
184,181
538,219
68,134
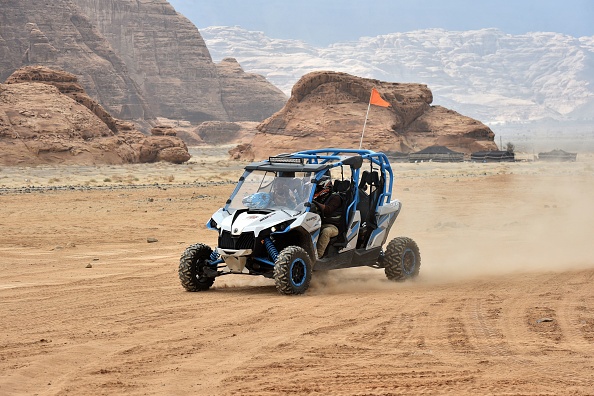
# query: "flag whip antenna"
364,124
374,99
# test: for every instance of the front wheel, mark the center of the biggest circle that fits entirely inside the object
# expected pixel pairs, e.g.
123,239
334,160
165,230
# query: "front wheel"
292,270
402,259
191,268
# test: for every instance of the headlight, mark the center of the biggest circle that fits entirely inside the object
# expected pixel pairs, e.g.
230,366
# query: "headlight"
281,227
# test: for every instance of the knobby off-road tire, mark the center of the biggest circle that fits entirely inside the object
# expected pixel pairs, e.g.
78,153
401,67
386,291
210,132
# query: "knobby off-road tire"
191,268
402,259
292,270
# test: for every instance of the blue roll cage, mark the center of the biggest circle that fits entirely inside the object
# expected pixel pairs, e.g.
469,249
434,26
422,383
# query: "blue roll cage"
319,161
329,155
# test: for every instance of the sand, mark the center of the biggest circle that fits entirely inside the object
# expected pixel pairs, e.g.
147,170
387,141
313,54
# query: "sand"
504,303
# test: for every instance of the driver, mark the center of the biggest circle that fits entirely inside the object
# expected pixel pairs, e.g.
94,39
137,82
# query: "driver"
329,205
283,193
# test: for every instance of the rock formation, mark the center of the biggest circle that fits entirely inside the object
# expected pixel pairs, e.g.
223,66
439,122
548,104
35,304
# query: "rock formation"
167,57
67,84
138,58
164,54
58,35
217,132
47,117
327,109
247,96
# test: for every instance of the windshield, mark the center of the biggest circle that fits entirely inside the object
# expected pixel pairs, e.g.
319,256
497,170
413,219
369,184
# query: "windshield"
273,190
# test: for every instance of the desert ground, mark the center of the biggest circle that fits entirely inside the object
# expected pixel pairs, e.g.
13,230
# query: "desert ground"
503,305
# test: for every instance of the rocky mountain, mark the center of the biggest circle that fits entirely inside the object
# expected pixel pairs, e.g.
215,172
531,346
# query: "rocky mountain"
246,96
47,117
58,35
328,109
486,74
167,57
138,58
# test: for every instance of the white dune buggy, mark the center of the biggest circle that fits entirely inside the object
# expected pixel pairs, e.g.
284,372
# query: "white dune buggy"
269,226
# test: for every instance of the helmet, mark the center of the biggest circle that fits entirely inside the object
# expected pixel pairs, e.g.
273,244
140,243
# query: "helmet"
323,188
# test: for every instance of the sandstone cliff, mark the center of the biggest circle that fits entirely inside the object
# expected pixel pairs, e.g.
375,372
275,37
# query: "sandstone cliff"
247,96
58,35
167,57
164,54
47,117
138,58
327,109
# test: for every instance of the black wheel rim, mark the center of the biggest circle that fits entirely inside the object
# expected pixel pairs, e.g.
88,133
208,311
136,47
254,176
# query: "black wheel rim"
298,272
198,268
409,261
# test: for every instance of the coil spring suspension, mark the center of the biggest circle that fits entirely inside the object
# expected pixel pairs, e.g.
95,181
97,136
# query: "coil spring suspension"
270,248
214,255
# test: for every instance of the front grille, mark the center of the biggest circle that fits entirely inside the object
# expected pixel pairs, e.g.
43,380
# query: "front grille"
243,241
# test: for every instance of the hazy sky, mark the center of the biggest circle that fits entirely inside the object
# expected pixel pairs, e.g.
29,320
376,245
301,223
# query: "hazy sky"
321,22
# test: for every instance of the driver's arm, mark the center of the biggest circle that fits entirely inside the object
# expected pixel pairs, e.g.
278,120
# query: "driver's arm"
331,205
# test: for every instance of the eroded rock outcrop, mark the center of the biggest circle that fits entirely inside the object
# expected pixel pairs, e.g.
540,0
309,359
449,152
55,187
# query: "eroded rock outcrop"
242,152
247,96
164,54
46,117
220,133
163,130
68,84
167,57
57,34
139,59
327,109
216,132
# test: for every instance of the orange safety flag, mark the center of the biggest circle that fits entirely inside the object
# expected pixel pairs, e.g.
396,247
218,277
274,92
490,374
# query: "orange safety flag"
377,100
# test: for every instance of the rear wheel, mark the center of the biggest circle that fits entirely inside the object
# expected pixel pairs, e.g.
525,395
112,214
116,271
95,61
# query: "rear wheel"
191,268
292,270
402,259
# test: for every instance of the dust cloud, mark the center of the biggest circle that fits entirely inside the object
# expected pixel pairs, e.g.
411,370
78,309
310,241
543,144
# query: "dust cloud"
508,224
523,218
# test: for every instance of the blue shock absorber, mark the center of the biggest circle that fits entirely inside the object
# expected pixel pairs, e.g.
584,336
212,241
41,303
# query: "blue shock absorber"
214,255
272,252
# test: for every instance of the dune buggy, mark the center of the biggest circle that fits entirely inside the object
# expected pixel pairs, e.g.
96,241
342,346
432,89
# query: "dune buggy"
269,226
